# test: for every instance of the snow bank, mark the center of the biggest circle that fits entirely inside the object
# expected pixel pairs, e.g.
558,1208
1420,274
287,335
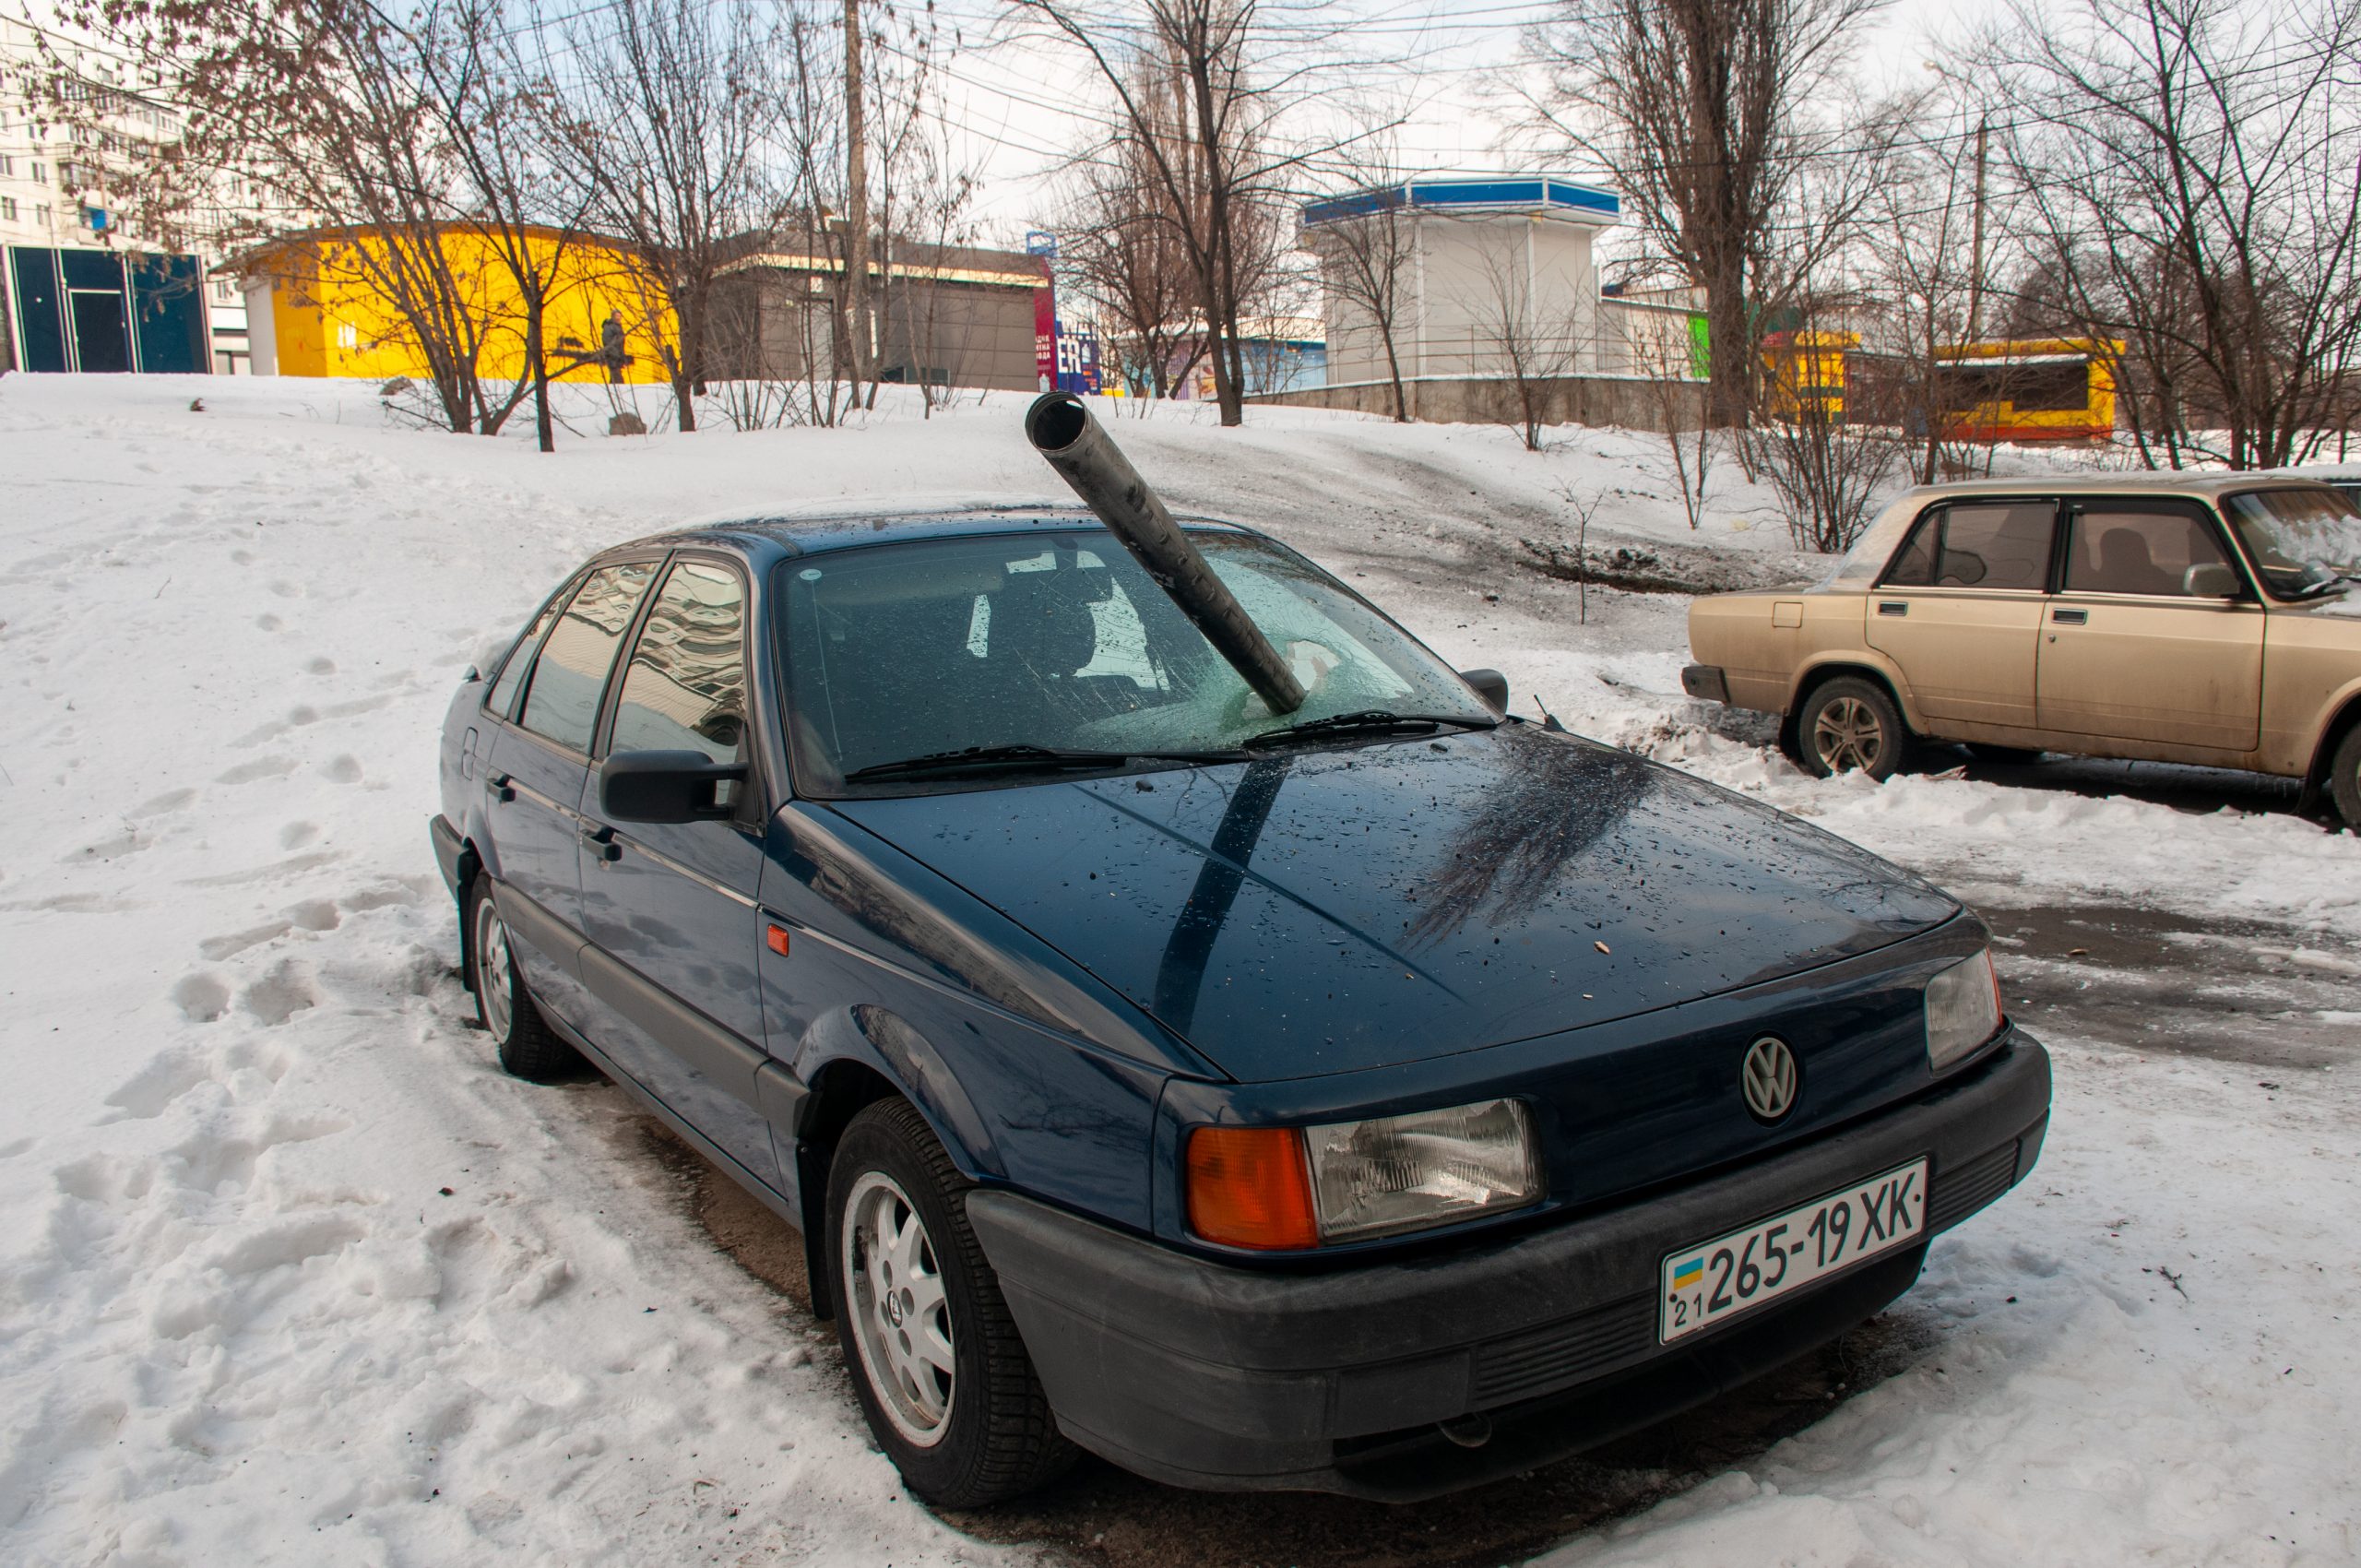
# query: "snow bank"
293,1275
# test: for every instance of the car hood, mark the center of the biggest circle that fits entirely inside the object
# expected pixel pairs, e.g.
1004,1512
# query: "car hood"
1329,913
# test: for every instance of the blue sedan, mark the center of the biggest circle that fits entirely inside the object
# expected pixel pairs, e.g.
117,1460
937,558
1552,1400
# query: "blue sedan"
1293,1073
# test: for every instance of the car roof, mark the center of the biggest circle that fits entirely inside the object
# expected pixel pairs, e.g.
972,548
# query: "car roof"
2206,485
797,534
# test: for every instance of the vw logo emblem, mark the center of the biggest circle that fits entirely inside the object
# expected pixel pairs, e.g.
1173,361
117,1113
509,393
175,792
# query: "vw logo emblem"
1768,1076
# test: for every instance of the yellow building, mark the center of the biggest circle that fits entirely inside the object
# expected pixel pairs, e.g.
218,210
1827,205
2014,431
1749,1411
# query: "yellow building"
342,302
1808,372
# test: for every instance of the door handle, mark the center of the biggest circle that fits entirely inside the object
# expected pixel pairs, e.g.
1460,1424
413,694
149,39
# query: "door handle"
2070,617
1893,607
600,843
502,787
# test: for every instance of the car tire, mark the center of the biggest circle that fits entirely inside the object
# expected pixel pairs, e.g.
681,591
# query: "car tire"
526,1045
2008,756
2345,779
905,1266
1850,725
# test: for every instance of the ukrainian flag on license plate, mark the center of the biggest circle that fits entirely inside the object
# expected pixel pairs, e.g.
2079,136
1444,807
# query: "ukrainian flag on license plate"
1687,1274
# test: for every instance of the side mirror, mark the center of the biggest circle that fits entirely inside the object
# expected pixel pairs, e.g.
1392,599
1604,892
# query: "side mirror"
665,787
2210,579
1489,685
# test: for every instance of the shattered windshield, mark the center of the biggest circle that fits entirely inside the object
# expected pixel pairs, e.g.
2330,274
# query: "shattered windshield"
2303,543
1052,650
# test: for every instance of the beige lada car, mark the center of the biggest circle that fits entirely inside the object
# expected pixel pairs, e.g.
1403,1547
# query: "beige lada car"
2211,619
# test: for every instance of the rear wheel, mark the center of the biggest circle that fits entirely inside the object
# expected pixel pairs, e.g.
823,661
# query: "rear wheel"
940,1368
1850,725
524,1040
2345,779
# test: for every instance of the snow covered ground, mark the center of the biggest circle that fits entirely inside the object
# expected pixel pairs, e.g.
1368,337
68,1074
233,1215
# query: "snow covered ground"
289,1273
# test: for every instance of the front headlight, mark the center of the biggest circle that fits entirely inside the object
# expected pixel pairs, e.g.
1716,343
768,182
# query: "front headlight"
1962,1009
1399,1174
1300,1187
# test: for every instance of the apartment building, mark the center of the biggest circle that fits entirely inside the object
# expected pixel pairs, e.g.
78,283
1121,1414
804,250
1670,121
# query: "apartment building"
81,291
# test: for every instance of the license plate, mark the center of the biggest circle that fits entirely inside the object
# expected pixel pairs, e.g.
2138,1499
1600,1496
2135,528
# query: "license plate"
1705,1284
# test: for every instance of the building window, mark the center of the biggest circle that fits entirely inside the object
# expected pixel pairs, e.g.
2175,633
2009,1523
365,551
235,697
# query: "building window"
8,209
223,291
41,175
347,335
41,214
8,164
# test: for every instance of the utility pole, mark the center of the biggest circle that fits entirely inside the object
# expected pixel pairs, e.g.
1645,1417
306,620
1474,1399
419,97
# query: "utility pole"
856,204
1975,235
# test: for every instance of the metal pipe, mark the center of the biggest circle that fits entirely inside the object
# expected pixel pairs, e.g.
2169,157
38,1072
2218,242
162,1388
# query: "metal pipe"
1087,458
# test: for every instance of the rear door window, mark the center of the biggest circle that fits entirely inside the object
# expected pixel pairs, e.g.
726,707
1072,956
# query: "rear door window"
503,700
685,687
2136,547
570,676
1999,544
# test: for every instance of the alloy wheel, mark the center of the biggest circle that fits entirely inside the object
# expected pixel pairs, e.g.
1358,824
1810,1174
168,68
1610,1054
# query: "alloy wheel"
901,1315
493,984
1847,735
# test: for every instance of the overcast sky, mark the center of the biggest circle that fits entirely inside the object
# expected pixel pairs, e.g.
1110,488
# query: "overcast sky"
1018,104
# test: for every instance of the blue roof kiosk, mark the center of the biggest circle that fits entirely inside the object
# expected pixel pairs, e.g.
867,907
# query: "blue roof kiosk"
1497,273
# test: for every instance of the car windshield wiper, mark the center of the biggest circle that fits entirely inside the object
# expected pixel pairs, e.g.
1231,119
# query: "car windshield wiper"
1367,721
2333,583
1019,755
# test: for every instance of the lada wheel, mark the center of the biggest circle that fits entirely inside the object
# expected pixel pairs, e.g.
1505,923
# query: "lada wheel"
520,1036
1850,725
936,1360
2345,779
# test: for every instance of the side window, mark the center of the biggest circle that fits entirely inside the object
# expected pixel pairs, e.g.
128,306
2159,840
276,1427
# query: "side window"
571,674
503,700
1915,567
2132,549
2002,544
685,687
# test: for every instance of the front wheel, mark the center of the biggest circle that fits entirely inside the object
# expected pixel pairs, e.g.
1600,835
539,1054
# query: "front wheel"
2345,779
1851,725
937,1362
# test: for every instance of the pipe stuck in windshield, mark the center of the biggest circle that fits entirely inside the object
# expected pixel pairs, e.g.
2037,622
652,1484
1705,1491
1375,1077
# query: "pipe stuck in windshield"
1063,431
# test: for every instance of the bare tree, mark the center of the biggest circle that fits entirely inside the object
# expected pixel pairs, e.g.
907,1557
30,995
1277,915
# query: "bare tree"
1368,246
1531,340
679,102
1212,142
924,193
500,113
1825,467
1701,107
319,113
2186,170
1120,247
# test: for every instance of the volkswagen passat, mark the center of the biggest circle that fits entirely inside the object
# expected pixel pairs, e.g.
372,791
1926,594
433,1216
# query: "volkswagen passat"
1373,1096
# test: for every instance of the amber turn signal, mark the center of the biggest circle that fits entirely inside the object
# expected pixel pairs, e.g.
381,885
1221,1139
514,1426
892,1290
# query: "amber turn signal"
1250,1187
775,938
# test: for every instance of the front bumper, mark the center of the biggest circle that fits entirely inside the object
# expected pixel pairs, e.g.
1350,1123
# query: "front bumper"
1201,1374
